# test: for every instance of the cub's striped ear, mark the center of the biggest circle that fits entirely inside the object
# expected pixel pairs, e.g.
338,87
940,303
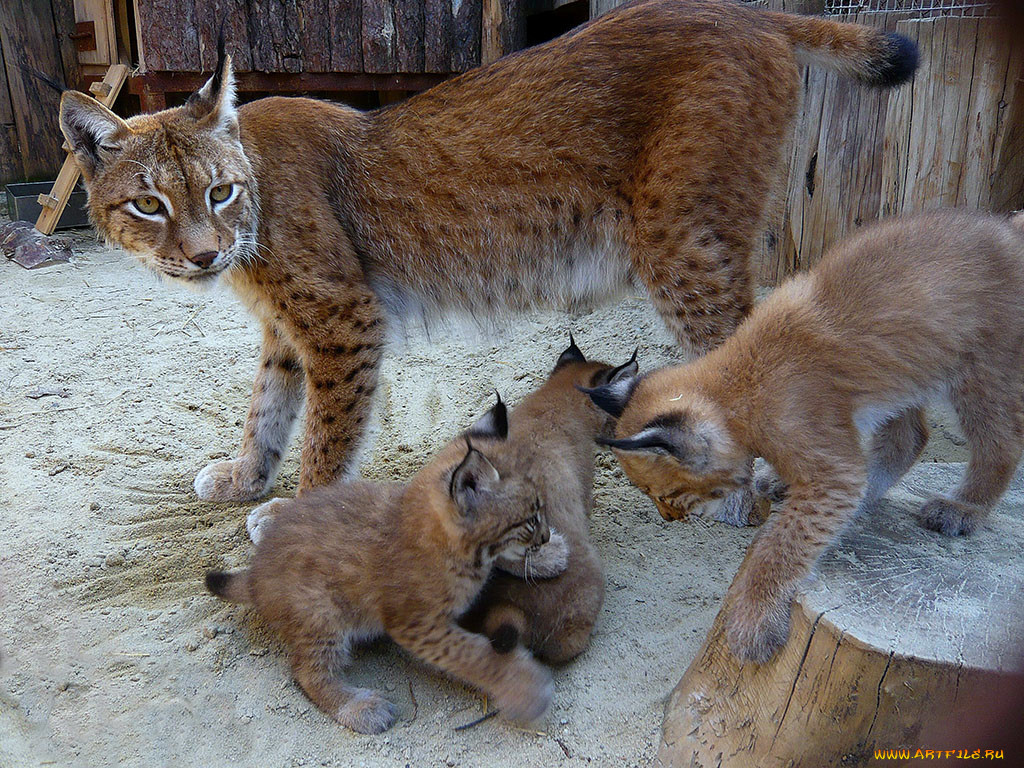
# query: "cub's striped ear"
494,423
571,355
614,386
692,442
473,478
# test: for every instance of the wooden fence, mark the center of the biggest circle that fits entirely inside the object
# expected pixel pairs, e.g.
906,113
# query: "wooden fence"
36,34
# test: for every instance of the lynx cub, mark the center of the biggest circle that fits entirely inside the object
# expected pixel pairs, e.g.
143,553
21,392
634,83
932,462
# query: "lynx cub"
355,560
904,312
637,150
551,442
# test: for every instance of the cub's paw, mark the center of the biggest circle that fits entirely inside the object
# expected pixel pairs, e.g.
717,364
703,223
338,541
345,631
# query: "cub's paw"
367,712
234,480
735,509
949,517
259,519
526,691
550,560
755,631
768,485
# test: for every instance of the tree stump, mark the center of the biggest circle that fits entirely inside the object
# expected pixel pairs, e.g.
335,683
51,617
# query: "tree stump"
902,638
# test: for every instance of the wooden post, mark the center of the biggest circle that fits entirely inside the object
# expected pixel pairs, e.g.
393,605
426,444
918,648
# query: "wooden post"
901,634
55,202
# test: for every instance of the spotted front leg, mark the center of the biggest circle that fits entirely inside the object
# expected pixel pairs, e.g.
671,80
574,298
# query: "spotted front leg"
780,557
341,352
276,398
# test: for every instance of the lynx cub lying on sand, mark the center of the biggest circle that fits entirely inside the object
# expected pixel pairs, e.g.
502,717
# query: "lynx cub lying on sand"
355,560
551,442
906,311
637,150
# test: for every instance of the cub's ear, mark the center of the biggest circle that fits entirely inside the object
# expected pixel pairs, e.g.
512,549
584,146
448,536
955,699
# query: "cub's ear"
494,423
614,386
571,355
213,105
92,131
472,479
692,444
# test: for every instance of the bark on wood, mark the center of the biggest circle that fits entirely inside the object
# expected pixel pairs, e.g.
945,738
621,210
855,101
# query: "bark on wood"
168,35
900,629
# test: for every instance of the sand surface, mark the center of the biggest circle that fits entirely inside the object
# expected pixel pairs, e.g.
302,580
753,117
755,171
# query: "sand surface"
113,654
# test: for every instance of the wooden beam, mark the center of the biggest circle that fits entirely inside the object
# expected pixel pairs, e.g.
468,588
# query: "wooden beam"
54,203
186,82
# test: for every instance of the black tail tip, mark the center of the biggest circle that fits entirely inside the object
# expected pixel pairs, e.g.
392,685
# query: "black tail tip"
505,638
898,62
217,582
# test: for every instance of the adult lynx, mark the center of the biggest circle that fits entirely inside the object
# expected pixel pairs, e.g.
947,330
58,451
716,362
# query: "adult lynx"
636,150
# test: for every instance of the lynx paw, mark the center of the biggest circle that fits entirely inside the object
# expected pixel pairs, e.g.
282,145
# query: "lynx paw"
949,517
735,509
527,691
367,712
259,519
550,560
756,630
233,480
768,485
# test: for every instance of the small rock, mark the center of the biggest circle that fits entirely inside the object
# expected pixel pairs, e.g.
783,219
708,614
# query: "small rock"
114,560
191,645
94,505
210,632
30,454
63,685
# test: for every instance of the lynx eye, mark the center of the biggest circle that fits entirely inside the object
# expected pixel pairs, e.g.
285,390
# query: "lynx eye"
220,193
147,204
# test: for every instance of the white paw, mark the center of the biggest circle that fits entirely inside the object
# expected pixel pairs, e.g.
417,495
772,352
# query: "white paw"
233,480
550,560
260,518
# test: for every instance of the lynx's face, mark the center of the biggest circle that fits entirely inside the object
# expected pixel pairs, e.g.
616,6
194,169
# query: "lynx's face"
174,188
675,449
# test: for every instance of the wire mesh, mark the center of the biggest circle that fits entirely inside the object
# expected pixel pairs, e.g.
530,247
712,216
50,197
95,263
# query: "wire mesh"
910,8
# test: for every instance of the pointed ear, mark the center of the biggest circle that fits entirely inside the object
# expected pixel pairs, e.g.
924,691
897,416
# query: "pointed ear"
628,370
494,423
614,386
675,436
92,131
472,479
571,355
213,105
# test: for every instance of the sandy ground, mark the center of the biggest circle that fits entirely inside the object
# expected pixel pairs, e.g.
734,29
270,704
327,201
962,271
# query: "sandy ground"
113,654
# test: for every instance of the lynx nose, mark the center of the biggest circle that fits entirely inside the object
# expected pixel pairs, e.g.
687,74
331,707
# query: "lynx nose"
203,260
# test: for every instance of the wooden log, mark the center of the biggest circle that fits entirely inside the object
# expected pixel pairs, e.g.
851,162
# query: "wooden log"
346,35
900,633
466,22
234,15
437,36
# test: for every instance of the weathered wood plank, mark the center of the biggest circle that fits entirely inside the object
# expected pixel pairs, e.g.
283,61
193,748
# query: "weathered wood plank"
466,19
345,28
28,40
437,35
10,154
234,15
409,24
168,35
379,44
274,36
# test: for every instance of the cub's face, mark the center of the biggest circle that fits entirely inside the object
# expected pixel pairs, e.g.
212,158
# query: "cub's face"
676,449
174,188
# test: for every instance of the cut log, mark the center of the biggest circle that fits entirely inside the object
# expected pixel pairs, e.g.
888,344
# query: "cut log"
902,639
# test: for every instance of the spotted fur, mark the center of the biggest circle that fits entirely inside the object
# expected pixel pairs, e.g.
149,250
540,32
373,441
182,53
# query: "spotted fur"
902,313
637,151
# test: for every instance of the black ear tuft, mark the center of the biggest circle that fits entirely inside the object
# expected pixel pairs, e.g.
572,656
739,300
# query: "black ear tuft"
494,423
571,355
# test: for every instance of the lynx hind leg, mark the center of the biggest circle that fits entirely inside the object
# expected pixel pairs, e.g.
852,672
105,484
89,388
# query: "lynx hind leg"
317,665
995,435
895,448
